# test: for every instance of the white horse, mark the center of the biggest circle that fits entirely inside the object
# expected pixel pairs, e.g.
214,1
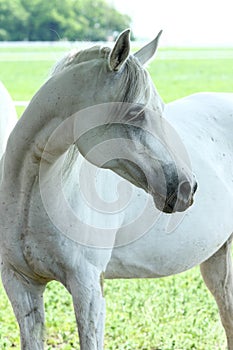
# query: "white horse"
8,117
55,226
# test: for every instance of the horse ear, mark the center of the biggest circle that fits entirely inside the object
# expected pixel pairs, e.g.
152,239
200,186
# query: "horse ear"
148,51
120,51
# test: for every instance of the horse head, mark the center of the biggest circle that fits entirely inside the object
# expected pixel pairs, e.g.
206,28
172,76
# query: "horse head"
126,132
117,121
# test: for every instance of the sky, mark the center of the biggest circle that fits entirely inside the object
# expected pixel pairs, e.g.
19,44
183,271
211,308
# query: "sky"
184,22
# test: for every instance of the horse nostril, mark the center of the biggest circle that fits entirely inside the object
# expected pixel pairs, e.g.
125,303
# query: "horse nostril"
184,190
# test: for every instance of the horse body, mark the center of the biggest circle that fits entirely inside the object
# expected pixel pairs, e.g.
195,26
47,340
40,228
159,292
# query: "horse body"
43,238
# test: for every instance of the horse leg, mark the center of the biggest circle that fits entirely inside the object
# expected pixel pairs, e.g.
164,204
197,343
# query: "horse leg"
217,273
26,297
89,305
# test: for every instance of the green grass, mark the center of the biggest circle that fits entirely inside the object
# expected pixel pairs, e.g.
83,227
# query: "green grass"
174,313
178,78
24,70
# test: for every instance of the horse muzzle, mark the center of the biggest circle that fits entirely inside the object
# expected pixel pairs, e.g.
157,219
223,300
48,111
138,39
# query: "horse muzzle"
177,201
182,199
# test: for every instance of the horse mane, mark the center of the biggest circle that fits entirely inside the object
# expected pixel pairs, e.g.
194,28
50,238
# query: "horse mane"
132,82
76,56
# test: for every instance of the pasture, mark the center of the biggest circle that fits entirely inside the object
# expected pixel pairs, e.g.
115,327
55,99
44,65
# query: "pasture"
174,313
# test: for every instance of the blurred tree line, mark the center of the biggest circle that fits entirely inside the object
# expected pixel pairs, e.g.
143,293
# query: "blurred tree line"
60,19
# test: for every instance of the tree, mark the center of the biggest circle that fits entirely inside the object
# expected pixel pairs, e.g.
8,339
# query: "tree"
12,20
54,19
102,19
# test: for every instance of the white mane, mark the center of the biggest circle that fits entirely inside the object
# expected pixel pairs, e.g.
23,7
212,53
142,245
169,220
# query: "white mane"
75,57
136,75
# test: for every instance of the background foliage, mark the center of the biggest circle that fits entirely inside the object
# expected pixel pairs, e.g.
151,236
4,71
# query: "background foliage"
54,19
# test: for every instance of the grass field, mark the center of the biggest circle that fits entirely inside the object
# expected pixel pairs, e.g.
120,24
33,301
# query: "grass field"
174,313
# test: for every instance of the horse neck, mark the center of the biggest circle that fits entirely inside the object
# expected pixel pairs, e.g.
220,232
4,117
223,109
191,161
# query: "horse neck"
26,144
